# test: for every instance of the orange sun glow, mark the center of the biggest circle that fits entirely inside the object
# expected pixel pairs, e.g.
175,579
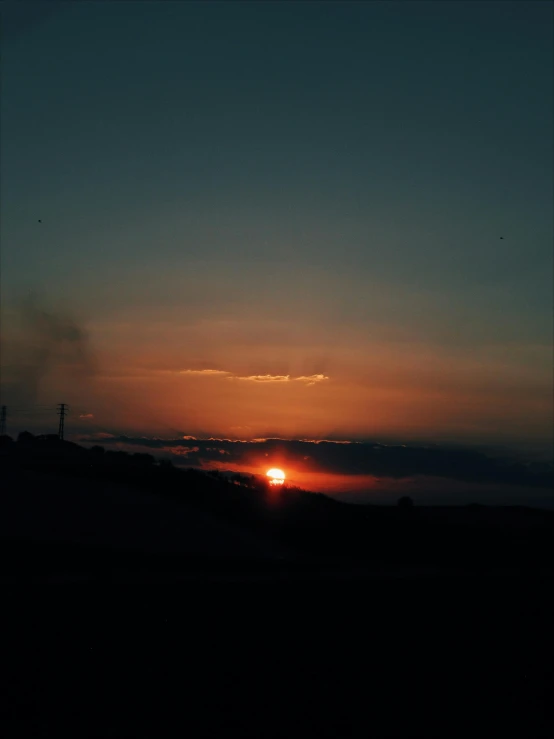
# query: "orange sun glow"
276,477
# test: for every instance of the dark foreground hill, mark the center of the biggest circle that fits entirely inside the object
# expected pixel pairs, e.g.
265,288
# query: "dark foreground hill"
67,511
288,616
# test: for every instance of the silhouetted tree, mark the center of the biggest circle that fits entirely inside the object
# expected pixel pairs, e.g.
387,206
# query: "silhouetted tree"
405,502
25,437
166,464
52,438
118,456
143,458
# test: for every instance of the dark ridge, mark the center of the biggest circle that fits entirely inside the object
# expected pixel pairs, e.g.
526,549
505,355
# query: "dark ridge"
299,526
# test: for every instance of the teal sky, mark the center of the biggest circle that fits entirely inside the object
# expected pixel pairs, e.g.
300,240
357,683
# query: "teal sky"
331,180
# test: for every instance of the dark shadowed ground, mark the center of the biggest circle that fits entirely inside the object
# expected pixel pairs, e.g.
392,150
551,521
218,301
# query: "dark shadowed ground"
143,602
374,657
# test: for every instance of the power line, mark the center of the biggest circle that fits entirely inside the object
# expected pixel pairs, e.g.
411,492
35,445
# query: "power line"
31,411
62,410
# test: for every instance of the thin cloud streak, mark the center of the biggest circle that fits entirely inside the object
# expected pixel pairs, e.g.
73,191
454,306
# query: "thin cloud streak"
263,378
204,372
138,375
309,380
312,379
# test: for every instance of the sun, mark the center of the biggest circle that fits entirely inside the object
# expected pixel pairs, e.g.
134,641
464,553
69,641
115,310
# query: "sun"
276,477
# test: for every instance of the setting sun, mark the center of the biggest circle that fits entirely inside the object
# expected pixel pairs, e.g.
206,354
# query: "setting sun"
277,477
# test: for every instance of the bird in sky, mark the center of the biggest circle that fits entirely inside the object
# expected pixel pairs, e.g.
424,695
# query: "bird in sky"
39,220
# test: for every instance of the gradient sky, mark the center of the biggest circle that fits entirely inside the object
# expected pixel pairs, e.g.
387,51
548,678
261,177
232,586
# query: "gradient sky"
306,197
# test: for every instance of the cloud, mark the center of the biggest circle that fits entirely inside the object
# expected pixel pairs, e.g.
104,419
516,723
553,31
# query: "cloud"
241,429
100,436
143,375
359,458
312,379
86,415
326,441
204,372
185,451
263,378
309,380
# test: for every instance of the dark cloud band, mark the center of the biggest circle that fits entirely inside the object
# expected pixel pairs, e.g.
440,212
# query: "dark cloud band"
353,458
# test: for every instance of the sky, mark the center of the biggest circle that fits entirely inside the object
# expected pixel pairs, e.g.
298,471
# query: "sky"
279,220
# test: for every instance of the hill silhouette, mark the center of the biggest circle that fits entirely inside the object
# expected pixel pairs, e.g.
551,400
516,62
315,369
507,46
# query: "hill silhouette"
363,620
130,512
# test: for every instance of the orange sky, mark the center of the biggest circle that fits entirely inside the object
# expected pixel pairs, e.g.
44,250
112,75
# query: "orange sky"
240,379
169,374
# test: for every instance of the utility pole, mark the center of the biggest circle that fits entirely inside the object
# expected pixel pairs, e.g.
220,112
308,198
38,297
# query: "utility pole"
3,420
62,410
